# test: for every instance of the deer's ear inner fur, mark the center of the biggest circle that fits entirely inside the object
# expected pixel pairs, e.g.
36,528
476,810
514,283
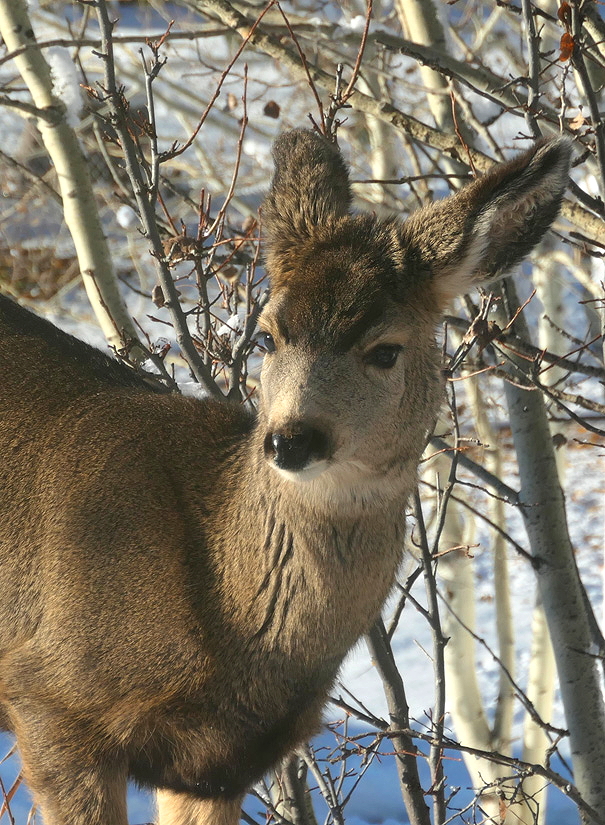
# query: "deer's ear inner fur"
479,234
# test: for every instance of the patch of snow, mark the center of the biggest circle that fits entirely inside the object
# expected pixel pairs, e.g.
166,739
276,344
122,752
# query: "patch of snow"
259,150
193,390
66,82
126,217
355,24
592,185
232,327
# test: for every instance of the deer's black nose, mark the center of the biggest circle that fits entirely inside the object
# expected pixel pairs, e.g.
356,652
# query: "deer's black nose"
295,449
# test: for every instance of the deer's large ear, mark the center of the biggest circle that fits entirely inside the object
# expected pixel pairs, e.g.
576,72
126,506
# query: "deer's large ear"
480,233
310,188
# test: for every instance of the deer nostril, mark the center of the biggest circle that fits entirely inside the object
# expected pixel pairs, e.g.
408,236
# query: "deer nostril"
294,450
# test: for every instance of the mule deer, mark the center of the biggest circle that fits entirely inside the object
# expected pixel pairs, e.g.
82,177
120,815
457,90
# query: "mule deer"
180,581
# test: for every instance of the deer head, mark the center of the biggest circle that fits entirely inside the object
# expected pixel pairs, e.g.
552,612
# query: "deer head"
350,382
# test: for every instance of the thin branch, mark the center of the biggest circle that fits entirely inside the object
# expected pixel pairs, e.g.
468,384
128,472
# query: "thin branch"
382,109
49,114
409,780
326,790
533,49
439,642
527,768
33,178
510,495
525,348
520,693
246,36
125,39
117,108
305,65
360,52
492,524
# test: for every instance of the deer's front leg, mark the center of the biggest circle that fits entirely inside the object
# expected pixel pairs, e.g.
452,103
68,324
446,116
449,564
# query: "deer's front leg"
84,798
72,784
75,792
183,809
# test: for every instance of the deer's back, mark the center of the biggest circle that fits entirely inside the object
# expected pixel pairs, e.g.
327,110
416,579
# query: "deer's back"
37,358
94,512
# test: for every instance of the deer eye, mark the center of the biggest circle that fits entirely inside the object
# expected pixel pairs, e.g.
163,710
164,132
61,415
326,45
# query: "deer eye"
384,356
266,341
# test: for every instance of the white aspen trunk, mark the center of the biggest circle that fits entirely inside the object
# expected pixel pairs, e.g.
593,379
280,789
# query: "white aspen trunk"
542,670
290,794
421,22
540,692
543,509
464,700
62,145
502,729
383,161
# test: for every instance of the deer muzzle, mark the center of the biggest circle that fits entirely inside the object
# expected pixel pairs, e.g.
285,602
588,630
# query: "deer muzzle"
296,448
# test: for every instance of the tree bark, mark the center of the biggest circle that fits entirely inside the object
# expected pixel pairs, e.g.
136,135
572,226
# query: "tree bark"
79,208
542,505
542,675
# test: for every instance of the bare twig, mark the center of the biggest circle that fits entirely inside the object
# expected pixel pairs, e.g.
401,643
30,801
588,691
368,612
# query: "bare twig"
598,122
533,49
145,203
409,780
496,484
382,109
439,642
246,37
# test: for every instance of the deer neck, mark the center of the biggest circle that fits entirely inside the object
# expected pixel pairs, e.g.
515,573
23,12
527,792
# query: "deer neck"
322,565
